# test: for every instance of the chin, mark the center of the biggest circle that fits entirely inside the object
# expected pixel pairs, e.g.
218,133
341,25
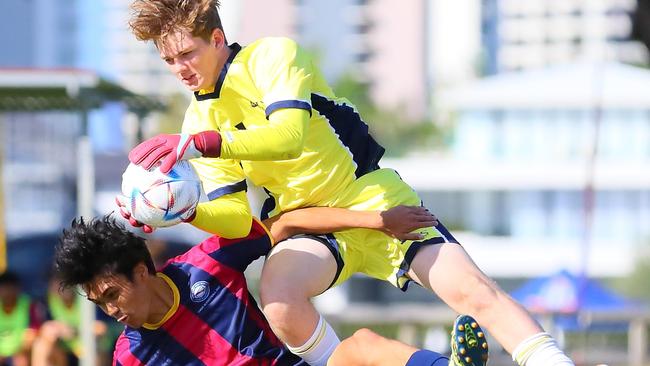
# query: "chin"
135,325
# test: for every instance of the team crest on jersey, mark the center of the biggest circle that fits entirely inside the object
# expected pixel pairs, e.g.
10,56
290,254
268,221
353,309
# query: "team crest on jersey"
199,291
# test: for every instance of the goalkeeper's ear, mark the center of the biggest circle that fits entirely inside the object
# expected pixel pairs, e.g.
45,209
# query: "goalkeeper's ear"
218,38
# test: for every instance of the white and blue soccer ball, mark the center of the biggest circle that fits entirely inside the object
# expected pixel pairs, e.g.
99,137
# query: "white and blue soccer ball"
158,199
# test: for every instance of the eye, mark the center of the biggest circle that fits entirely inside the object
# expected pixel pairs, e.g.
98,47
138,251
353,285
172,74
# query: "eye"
111,295
168,60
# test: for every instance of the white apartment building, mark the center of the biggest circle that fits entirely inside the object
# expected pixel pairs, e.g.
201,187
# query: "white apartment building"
527,34
516,175
386,44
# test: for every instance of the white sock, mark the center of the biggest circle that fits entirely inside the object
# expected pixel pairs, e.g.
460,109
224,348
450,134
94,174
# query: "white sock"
320,346
540,350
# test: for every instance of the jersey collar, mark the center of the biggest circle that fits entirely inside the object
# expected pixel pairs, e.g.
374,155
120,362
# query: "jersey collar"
235,48
172,310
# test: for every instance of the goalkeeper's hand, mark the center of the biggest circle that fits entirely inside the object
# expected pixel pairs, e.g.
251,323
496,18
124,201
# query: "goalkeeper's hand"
168,149
126,213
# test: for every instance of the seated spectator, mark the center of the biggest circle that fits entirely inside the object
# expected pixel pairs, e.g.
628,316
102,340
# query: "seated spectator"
20,318
58,342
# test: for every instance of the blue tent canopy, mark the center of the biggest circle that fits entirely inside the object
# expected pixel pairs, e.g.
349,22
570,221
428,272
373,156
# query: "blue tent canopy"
564,292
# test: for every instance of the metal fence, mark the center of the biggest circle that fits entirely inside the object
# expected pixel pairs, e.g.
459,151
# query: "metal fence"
410,322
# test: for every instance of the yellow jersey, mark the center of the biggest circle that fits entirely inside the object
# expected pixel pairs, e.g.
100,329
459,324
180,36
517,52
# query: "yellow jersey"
282,127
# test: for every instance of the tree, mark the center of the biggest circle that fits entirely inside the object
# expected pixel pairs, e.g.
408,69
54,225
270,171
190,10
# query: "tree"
641,22
392,128
636,284
171,120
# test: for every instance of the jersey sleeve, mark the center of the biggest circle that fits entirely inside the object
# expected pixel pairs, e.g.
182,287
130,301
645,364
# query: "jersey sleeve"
282,72
228,216
239,253
282,138
227,212
122,355
220,176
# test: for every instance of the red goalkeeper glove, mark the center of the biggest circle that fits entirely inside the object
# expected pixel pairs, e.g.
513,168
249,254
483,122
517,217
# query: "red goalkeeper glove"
169,149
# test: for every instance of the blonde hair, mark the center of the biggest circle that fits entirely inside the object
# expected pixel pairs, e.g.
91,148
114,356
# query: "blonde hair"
154,20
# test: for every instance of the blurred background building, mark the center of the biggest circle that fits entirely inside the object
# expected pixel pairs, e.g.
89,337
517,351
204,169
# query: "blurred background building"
527,34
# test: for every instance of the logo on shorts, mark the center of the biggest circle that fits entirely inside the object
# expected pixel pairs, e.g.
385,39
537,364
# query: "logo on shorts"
200,291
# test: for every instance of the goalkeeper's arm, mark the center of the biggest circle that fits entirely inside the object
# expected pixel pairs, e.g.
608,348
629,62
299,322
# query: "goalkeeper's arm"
282,139
399,222
228,216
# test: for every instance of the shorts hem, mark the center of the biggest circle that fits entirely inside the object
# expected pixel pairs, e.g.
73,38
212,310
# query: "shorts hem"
330,243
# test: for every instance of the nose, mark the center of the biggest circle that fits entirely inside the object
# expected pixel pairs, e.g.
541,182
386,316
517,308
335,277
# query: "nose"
179,66
112,310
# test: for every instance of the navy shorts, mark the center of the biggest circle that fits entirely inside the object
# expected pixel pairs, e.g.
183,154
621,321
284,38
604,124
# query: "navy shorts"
427,358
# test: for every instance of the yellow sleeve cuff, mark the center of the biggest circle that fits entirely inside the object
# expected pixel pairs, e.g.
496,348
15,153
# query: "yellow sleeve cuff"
228,216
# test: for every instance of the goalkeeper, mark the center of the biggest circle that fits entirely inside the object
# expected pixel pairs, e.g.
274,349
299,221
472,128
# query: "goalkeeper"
265,112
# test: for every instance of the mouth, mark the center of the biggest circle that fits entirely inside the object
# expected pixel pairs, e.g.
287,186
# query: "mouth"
122,318
189,78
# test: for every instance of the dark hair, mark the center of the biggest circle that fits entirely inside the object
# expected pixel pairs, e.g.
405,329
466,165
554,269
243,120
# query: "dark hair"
156,19
98,247
9,278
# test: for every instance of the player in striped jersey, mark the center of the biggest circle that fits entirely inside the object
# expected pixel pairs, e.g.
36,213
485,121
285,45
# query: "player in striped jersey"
197,309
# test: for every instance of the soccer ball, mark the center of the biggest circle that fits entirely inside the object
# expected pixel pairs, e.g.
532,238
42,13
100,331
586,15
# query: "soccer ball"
158,199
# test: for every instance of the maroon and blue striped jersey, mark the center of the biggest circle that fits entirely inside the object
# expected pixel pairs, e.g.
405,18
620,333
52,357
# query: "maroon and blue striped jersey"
215,320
